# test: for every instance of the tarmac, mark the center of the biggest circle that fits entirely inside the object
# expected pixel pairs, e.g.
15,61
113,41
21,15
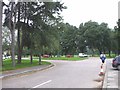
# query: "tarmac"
11,73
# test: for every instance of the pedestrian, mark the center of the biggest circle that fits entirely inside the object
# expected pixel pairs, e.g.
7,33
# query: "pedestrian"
102,57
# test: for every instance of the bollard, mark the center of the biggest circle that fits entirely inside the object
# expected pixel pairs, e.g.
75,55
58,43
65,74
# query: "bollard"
101,71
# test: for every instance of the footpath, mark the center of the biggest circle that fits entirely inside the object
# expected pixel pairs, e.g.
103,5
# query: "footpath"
111,78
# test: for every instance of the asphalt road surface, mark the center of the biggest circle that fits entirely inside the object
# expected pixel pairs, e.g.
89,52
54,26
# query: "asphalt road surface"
65,74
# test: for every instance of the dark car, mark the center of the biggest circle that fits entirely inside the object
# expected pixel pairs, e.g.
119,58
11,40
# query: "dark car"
116,62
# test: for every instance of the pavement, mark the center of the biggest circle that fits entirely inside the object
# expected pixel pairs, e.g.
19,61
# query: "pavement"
111,78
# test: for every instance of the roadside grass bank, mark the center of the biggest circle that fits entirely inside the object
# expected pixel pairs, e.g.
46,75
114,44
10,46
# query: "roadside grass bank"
107,55
65,58
68,58
7,64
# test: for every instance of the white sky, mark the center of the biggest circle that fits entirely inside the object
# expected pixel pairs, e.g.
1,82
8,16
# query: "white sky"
79,11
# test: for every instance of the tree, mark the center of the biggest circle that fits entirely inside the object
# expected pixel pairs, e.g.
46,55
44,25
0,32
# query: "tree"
10,22
35,16
96,36
44,23
18,34
114,42
88,33
106,37
68,39
81,40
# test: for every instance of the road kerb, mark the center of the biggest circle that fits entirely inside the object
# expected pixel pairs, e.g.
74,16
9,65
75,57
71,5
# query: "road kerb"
27,71
104,86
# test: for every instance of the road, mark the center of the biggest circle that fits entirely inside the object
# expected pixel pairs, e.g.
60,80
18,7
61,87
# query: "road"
65,74
113,78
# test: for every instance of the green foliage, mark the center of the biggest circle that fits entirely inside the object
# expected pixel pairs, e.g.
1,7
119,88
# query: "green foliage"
36,24
89,38
96,36
68,39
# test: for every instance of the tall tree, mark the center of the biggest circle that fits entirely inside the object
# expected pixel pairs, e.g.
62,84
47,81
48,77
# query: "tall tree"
68,39
44,19
35,15
18,34
10,22
97,36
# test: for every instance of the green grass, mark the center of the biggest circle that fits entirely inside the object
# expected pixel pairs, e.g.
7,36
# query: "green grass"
112,56
65,58
7,64
107,55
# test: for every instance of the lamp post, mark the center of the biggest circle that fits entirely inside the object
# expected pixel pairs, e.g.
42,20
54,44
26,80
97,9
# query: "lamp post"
0,33
58,52
118,31
118,35
1,41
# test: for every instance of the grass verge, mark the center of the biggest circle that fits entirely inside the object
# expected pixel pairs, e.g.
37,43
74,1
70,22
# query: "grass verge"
7,64
65,58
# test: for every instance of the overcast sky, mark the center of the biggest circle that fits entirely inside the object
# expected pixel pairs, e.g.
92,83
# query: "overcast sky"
79,11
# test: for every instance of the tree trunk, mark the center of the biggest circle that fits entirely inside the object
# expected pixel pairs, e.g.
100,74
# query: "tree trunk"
99,50
12,48
18,38
12,29
109,54
31,57
39,59
92,51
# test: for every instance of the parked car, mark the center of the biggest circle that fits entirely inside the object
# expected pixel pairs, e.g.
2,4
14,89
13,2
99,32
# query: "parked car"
69,56
82,55
116,62
46,56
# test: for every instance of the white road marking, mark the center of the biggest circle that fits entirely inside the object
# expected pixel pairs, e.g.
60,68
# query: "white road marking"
42,84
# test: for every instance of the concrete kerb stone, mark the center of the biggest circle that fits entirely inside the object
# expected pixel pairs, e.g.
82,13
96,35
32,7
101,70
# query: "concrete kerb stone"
27,71
104,86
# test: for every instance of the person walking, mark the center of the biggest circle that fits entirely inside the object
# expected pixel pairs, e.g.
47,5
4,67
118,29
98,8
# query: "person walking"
102,57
